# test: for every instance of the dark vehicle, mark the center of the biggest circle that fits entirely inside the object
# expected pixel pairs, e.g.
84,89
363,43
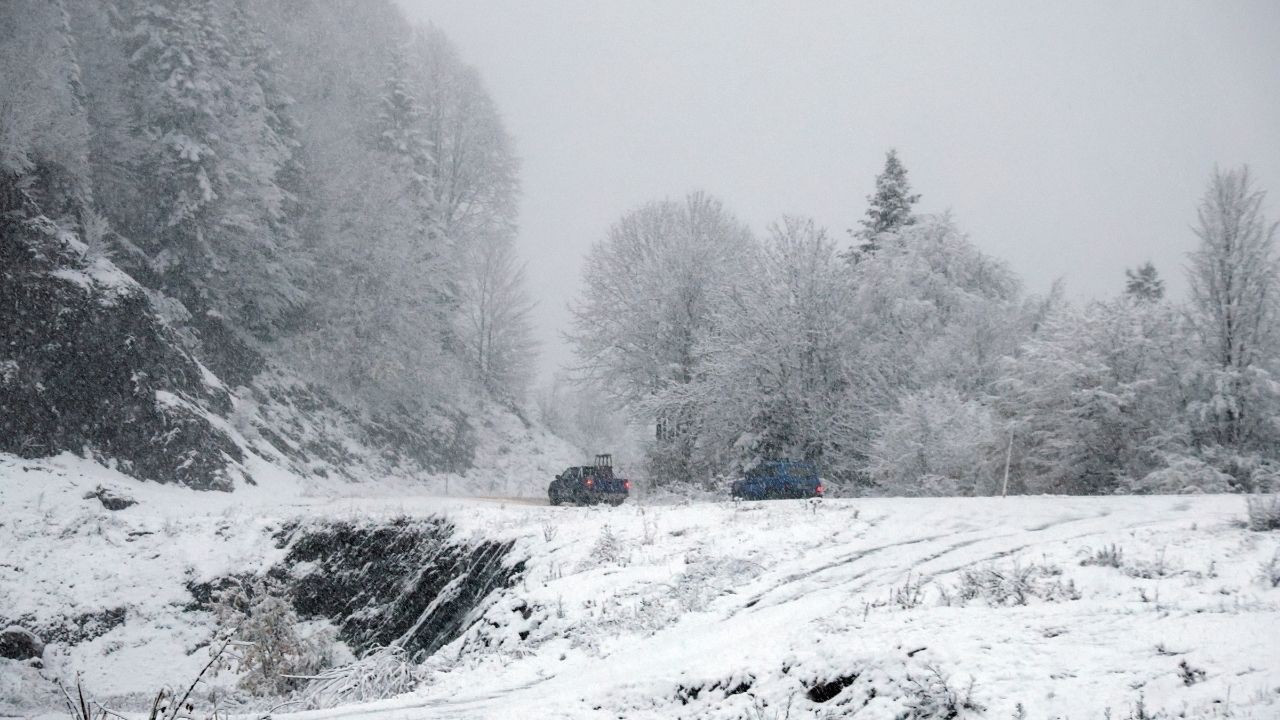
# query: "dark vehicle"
779,479
589,484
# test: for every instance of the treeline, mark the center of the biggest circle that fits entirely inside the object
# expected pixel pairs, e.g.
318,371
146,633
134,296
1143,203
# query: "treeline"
313,183
913,363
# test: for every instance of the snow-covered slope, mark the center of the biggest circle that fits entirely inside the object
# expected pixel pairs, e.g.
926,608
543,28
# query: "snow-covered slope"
761,610
871,608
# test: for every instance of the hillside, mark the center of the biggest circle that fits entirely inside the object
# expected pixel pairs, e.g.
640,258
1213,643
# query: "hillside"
880,608
201,284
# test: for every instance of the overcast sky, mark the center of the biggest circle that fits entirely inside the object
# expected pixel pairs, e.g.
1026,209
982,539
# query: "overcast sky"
1071,139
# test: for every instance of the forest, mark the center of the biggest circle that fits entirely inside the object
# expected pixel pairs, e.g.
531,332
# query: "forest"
342,218
905,361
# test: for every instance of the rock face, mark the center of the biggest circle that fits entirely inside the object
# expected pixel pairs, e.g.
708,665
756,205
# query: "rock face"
19,644
406,581
86,364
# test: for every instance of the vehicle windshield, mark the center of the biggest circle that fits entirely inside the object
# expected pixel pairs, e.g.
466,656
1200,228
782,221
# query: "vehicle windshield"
787,468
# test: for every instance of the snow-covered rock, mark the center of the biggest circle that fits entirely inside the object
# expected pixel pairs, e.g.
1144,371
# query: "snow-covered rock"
18,643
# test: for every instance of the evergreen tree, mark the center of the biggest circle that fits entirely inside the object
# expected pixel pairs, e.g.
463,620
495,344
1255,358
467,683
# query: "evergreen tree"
214,210
1144,283
178,60
890,208
265,174
400,136
43,129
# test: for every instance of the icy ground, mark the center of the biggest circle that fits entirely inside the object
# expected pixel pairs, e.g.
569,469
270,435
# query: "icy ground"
868,608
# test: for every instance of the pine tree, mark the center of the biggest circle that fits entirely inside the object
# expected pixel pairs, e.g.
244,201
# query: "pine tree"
43,127
890,207
1144,283
178,59
411,159
400,136
264,172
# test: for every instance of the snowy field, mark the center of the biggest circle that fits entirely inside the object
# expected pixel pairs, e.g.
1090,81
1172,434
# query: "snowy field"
1076,608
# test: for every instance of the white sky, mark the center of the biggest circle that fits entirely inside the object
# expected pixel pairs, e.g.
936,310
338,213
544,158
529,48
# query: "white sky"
1071,139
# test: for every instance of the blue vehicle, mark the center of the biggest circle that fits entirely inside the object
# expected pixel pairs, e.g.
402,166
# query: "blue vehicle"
779,479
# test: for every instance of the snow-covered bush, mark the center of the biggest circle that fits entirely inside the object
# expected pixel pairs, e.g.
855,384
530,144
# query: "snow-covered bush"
1092,399
930,695
911,593
1185,475
608,550
1016,584
648,528
273,650
383,672
1264,512
1106,556
1269,573
936,442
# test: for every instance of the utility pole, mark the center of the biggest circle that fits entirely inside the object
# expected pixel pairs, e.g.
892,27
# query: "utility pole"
1008,457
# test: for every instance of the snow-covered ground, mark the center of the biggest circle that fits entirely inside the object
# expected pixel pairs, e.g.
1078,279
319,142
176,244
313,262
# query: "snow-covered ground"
858,607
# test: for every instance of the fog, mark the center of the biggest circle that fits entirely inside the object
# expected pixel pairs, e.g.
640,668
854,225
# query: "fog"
1071,141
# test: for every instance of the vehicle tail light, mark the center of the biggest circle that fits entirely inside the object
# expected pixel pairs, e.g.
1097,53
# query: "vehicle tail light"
626,484
590,482
821,489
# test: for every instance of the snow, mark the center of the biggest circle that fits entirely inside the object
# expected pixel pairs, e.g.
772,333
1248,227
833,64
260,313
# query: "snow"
778,596
99,273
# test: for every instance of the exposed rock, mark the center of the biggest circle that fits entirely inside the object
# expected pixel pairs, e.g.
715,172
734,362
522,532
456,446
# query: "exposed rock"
413,583
111,498
86,364
20,644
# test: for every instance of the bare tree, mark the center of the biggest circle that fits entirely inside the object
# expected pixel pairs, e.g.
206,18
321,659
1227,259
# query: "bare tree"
495,332
645,302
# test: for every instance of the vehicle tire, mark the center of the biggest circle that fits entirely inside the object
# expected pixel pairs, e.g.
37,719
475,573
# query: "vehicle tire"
553,498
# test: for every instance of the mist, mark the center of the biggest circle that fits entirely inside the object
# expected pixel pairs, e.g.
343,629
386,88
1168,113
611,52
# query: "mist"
1071,140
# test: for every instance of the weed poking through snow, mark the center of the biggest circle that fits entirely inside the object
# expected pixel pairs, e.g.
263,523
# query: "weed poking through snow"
1015,585
1269,574
1108,556
1264,512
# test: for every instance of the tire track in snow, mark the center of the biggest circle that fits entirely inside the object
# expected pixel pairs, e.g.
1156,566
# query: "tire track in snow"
843,561
889,574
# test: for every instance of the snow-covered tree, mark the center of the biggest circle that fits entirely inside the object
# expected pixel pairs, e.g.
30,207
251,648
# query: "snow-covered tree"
779,375
1093,401
934,309
43,130
1235,287
890,207
586,416
495,333
1144,283
214,167
412,191
180,61
646,299
400,137
937,442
